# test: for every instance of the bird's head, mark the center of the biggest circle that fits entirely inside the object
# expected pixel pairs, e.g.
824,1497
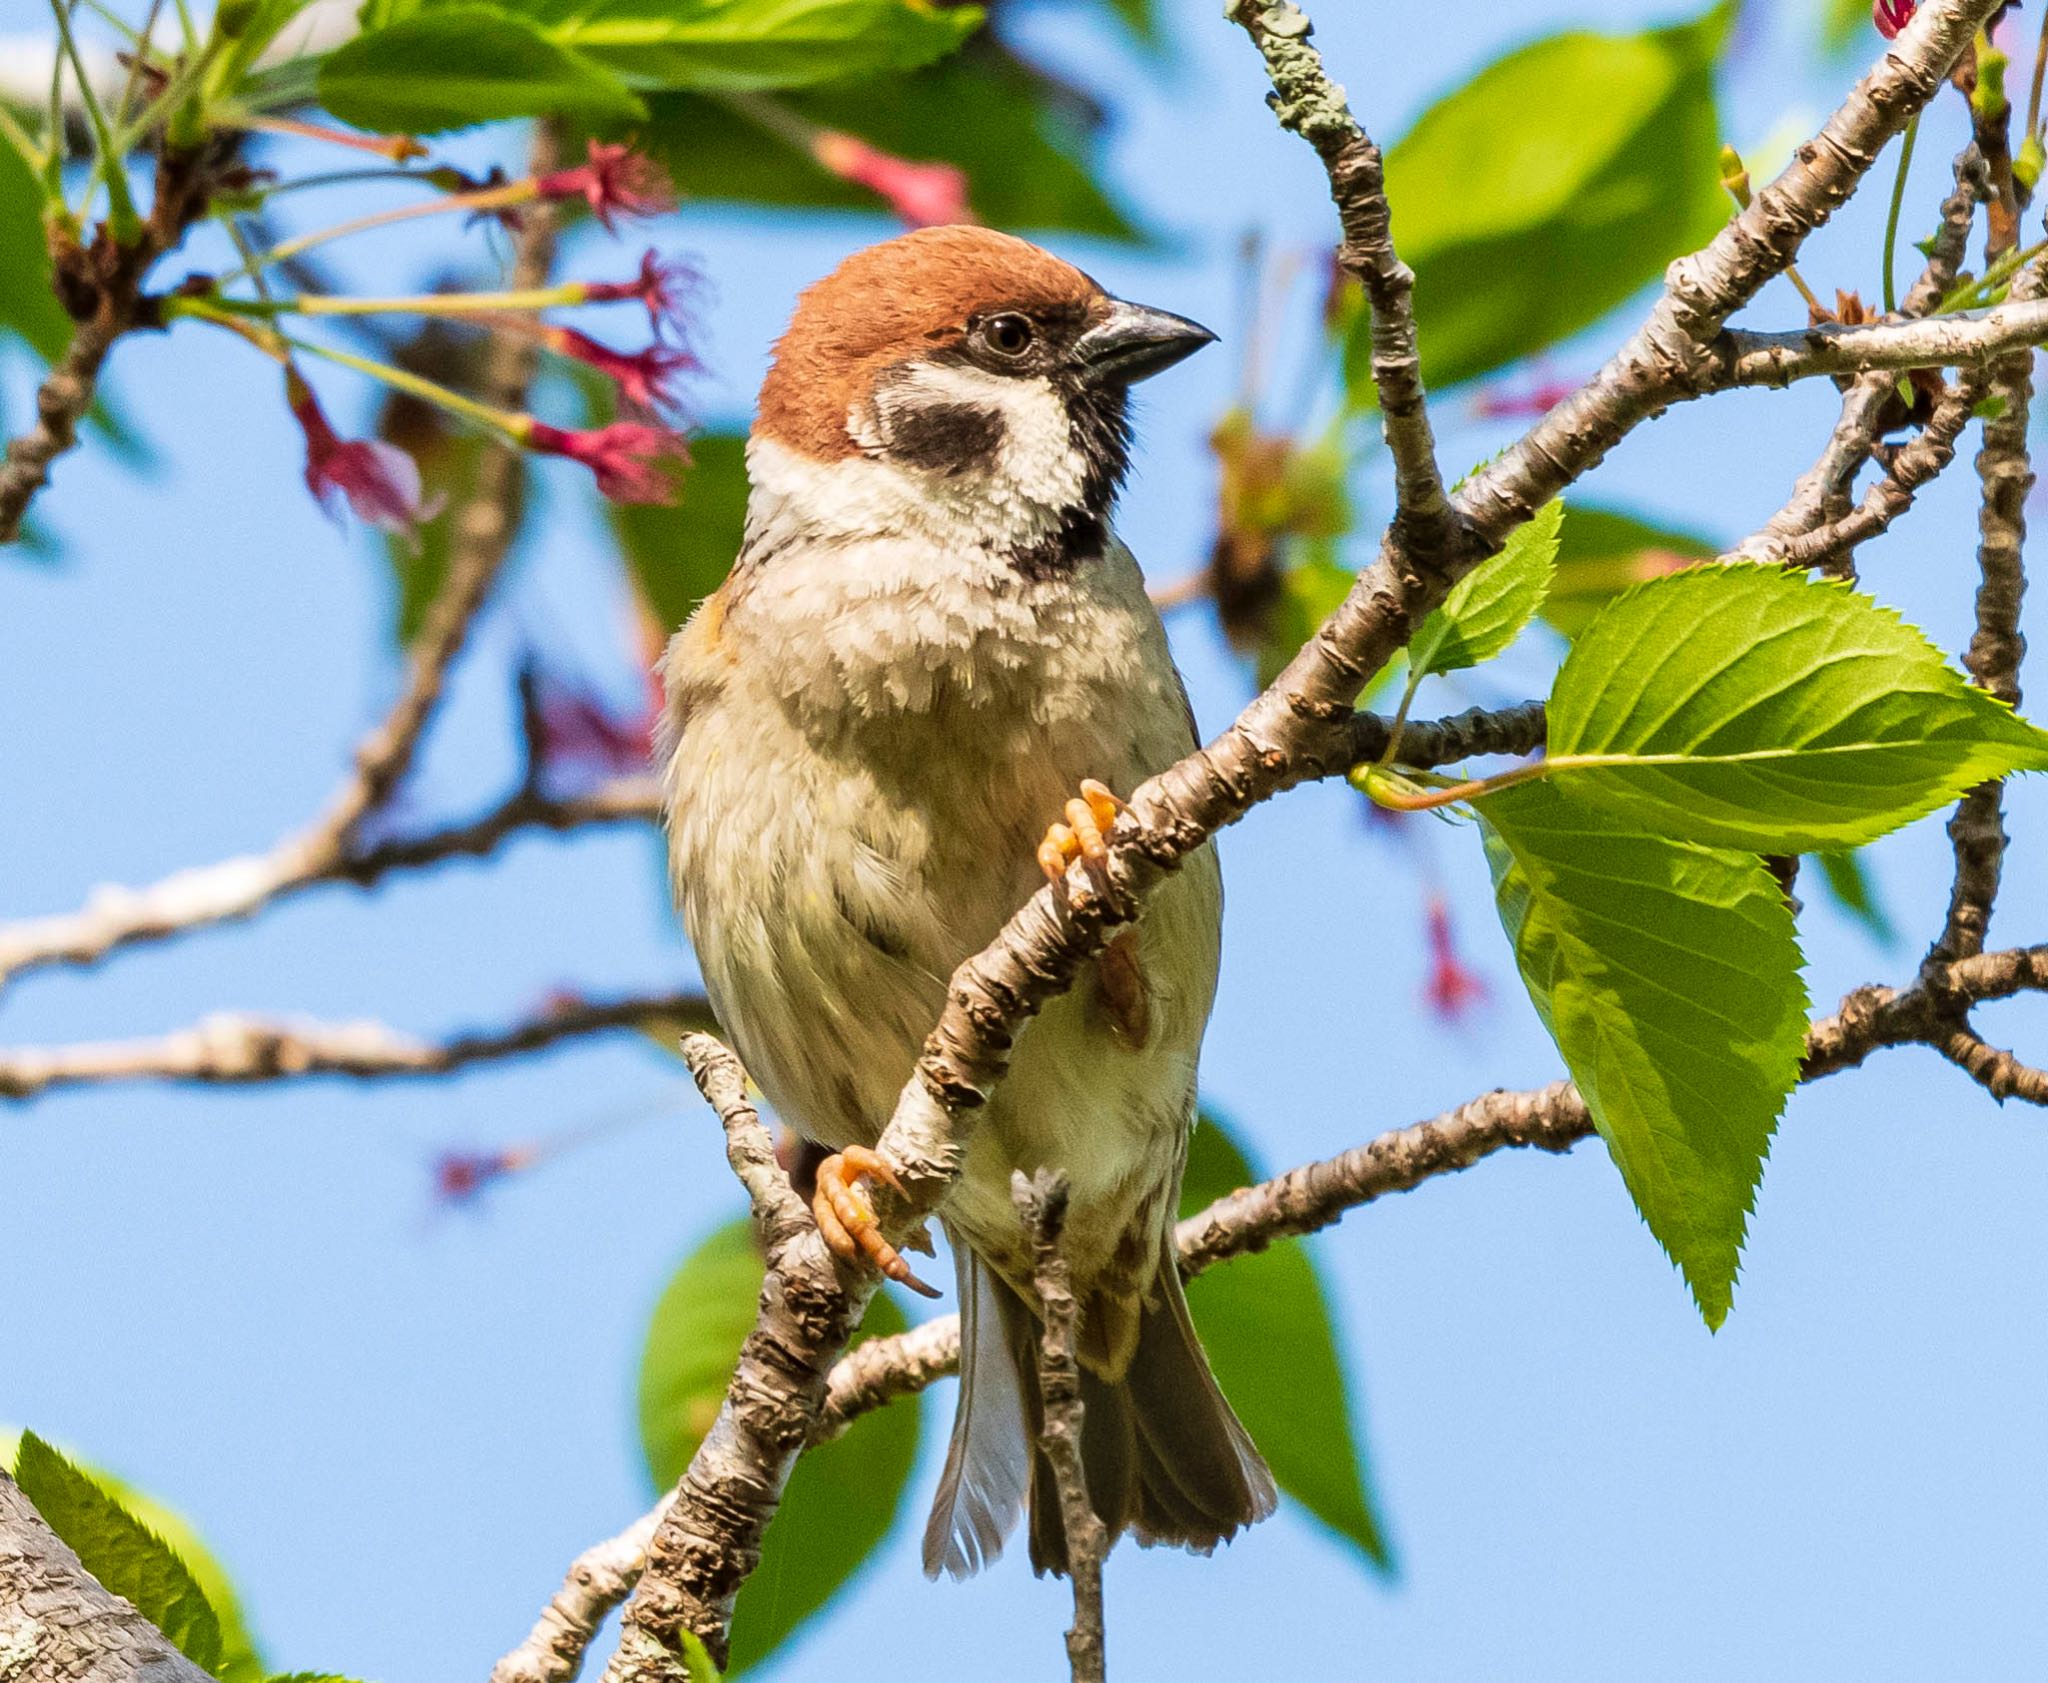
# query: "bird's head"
981,370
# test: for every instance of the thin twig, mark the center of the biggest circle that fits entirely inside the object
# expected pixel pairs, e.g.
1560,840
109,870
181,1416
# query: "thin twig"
234,1049
601,1577
482,536
2005,473
1042,1207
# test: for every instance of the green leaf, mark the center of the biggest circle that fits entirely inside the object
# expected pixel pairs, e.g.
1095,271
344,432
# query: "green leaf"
1668,975
27,305
269,21
1029,153
1487,609
125,1555
679,553
697,1662
1550,188
1843,22
843,1497
734,46
1602,551
451,66
241,1661
1751,707
1298,1410
1849,886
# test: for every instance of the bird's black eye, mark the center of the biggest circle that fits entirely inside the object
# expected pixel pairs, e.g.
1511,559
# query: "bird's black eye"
1009,335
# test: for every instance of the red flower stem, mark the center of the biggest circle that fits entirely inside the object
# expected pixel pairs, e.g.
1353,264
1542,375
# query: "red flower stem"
397,147
1376,786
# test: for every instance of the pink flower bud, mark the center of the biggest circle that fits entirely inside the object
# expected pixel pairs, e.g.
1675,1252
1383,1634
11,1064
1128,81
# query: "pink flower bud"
378,481
614,181
642,376
1453,988
661,288
1891,16
924,195
625,456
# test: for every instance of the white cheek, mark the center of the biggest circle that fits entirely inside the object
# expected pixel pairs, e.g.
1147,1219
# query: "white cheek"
1037,465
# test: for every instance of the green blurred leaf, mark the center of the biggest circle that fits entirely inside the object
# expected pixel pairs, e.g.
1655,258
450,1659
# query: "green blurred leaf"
1028,149
1602,551
1298,1410
1842,22
679,553
1849,886
1487,609
127,1556
27,305
1747,706
1309,594
269,22
1668,975
735,46
450,66
698,1666
1550,188
843,1497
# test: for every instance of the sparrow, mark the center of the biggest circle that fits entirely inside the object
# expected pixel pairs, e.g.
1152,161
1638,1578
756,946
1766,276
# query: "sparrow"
910,703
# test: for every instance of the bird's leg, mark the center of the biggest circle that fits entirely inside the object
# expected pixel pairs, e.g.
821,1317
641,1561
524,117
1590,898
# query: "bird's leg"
846,1218
1092,812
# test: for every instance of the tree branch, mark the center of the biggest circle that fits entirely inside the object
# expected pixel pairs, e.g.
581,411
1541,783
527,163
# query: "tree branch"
1042,1207
238,888
233,1049
599,1579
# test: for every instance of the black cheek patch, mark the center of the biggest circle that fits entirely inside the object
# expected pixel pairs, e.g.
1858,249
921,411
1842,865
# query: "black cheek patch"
945,437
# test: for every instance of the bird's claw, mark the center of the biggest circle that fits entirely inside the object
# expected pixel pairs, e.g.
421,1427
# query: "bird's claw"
1082,836
846,1217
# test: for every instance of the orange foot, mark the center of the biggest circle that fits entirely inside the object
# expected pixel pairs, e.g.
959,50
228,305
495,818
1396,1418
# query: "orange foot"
1080,837
846,1219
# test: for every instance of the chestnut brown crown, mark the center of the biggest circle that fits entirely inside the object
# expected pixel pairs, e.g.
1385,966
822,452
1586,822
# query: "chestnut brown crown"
973,299
916,296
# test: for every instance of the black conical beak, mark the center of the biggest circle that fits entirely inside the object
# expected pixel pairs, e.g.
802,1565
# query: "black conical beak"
1134,342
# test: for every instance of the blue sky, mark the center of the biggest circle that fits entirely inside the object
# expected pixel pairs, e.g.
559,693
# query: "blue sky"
396,1427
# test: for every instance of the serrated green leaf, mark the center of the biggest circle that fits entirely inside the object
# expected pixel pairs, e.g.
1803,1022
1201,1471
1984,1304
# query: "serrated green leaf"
843,1497
241,1661
1668,975
1030,154
126,1556
1850,887
679,553
1487,608
734,46
1550,188
1299,1411
447,67
1601,551
1751,707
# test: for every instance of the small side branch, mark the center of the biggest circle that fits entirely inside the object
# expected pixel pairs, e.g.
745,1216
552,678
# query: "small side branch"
599,1579
1312,106
1042,1205
232,1049
710,1539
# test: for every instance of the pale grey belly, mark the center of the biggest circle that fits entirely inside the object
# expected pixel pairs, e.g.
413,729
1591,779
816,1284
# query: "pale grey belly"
828,913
